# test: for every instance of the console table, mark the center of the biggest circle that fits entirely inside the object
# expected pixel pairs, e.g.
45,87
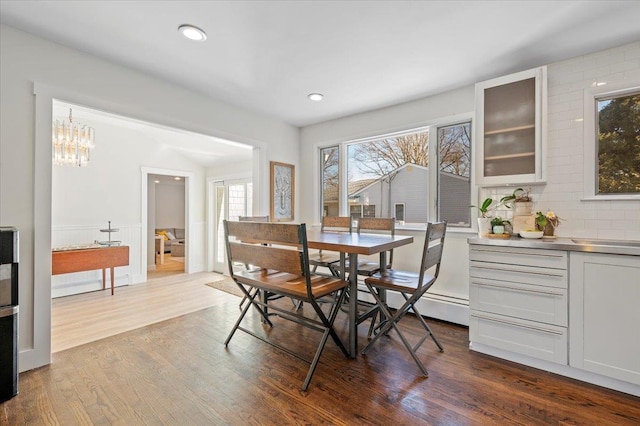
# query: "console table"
89,259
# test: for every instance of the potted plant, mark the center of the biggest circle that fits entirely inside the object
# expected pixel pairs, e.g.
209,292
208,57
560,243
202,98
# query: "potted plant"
497,225
547,223
484,221
521,201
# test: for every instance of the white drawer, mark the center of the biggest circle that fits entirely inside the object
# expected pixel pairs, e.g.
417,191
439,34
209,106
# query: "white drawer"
519,274
542,341
520,256
535,303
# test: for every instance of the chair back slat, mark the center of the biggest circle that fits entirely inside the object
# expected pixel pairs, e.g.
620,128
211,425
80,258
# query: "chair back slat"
377,224
433,248
434,255
254,218
264,233
276,258
336,224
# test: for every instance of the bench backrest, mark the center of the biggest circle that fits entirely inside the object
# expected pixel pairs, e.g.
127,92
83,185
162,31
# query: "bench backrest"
281,247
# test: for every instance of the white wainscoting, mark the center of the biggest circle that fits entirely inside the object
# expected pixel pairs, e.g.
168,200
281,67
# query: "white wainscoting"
81,282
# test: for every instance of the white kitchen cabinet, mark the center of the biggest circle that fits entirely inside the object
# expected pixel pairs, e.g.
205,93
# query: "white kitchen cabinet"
518,299
604,318
510,126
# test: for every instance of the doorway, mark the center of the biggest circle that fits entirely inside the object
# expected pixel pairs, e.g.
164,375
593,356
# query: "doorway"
231,199
166,217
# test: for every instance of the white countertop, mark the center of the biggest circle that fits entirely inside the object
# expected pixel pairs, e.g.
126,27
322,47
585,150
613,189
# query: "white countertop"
592,245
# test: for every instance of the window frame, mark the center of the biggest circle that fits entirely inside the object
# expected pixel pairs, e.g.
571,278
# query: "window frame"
590,126
432,127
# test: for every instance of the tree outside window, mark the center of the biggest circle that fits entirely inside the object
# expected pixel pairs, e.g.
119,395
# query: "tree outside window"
385,172
618,136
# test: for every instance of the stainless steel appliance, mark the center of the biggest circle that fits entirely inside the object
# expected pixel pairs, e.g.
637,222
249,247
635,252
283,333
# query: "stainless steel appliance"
8,313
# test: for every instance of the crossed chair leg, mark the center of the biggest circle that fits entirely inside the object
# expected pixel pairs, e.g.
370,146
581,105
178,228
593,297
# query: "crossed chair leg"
325,325
392,322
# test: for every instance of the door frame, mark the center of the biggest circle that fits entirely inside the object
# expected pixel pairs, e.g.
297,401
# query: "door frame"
146,237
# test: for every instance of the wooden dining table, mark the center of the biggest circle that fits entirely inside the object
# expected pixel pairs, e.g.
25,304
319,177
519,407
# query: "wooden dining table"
352,245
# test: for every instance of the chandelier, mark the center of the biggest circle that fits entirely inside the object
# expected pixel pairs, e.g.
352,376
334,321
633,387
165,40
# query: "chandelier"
72,143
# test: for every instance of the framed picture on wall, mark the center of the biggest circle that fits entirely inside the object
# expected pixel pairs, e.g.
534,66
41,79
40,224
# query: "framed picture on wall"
282,189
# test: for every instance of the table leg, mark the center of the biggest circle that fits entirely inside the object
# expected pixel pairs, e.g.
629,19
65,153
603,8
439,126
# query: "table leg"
112,280
104,278
353,304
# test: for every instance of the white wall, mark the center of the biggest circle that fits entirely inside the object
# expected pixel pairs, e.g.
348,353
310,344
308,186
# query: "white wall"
25,157
452,286
563,192
85,199
170,205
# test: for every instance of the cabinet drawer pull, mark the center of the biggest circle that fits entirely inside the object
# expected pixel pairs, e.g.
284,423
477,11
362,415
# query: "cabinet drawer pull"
493,268
531,327
510,287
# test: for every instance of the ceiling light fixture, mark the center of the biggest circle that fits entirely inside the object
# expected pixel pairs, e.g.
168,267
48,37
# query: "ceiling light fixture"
315,96
177,178
192,32
72,143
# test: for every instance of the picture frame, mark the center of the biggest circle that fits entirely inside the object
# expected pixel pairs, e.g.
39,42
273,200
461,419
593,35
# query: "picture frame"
282,192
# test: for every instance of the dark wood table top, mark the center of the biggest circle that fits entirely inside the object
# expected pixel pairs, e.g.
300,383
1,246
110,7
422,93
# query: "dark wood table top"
365,244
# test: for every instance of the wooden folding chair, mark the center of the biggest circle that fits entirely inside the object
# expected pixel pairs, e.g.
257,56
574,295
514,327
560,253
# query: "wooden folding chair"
368,267
330,260
375,225
281,253
412,287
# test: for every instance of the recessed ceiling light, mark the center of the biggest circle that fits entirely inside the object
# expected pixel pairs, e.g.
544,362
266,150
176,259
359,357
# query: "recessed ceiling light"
177,178
315,96
156,181
192,33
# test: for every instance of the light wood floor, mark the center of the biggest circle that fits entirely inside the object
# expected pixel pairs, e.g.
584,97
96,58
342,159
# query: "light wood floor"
168,293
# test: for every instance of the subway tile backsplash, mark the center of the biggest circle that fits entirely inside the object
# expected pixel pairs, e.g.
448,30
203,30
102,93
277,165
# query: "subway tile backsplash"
563,193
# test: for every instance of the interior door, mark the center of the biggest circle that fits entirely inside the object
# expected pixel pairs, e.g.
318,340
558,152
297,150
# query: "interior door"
233,199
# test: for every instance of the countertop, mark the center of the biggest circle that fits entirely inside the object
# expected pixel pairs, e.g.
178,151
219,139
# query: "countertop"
589,245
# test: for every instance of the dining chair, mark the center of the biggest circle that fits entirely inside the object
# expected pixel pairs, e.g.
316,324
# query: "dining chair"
330,260
412,286
282,257
375,225
247,265
368,267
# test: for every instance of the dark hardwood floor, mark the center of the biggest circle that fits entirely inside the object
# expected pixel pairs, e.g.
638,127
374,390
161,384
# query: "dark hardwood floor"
178,372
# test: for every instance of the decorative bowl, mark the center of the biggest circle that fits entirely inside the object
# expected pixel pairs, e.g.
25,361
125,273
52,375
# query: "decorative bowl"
531,234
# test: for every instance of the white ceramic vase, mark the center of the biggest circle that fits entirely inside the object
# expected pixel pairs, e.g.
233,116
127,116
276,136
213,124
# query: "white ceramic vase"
484,226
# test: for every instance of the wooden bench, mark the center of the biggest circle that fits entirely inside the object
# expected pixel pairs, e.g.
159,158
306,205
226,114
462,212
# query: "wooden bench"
281,257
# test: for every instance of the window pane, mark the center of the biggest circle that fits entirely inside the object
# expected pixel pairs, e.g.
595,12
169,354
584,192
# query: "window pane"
389,171
236,201
619,145
454,184
329,177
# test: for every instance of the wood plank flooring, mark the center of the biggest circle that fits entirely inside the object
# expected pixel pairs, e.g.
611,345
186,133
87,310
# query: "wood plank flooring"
168,293
179,372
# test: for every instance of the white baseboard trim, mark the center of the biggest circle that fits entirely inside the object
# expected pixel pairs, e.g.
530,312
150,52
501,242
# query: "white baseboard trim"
440,307
561,369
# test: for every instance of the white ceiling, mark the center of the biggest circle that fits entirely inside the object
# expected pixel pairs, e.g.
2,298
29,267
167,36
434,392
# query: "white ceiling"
266,56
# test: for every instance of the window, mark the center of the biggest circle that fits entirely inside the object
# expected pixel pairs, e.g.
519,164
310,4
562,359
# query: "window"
329,178
454,174
390,176
399,212
618,133
612,142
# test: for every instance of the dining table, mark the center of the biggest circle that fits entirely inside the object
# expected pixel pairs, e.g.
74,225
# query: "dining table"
352,245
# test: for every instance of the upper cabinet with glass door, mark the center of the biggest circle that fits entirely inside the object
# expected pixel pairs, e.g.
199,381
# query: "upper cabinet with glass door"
510,129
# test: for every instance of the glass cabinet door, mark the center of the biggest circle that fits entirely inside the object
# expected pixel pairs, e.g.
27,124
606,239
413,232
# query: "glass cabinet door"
509,138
